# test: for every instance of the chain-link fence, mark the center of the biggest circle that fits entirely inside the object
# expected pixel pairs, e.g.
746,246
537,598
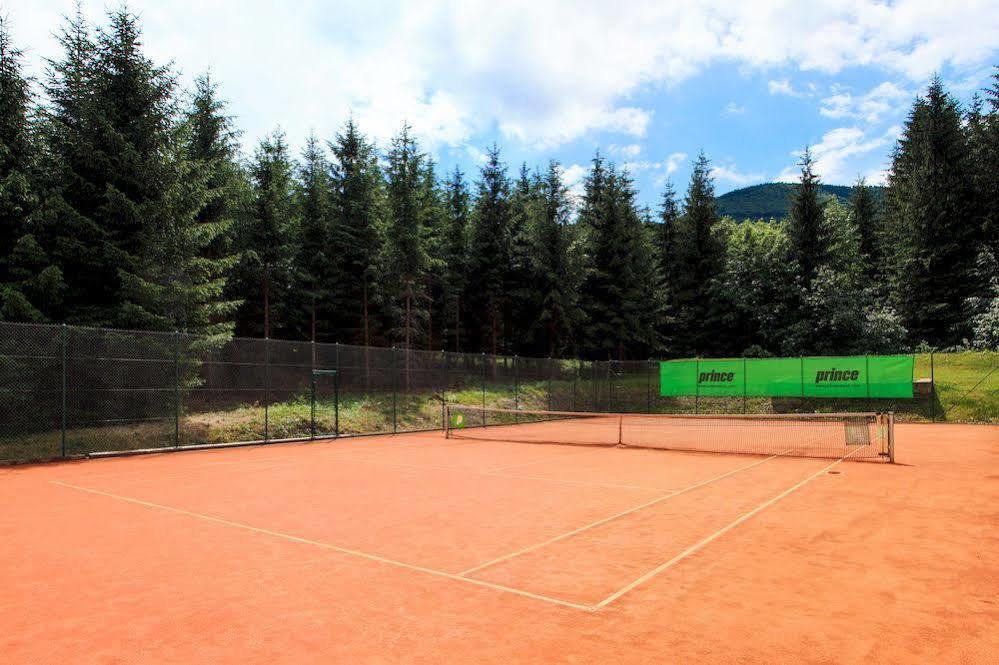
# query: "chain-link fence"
67,391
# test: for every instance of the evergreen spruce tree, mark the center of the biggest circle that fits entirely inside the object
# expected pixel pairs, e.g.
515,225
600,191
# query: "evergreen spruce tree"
212,146
865,217
76,176
455,243
620,280
434,229
30,285
984,148
930,213
315,267
553,266
267,239
805,222
489,256
664,239
699,261
405,251
357,236
522,296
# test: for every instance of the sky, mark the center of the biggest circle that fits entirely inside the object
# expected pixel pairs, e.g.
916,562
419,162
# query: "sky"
648,84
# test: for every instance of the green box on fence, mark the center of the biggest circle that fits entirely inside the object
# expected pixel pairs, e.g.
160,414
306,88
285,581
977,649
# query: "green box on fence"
817,377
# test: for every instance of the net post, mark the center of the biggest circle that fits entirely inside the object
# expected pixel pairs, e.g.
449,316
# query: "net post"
891,437
267,388
176,388
483,355
620,430
447,421
64,334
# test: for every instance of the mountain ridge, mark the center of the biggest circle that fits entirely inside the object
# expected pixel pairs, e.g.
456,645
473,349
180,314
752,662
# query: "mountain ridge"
770,200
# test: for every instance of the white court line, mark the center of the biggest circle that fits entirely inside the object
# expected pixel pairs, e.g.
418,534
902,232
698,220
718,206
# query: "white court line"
591,525
335,548
717,534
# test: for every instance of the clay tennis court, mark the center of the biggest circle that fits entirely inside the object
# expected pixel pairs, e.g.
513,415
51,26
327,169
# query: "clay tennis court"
421,548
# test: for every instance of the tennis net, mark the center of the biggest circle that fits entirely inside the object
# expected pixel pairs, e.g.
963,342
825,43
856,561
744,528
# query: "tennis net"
867,436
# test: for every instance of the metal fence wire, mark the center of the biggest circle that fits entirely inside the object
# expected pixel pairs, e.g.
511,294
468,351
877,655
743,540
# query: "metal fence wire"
68,391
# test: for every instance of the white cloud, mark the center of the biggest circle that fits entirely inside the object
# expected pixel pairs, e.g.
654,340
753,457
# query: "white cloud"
781,87
886,98
673,161
730,174
734,109
630,151
837,153
457,69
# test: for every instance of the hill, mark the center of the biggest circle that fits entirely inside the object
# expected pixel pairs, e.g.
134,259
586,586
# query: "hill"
770,200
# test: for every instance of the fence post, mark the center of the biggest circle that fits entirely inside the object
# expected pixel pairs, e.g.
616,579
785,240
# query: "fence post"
483,388
444,391
867,376
933,391
395,393
176,388
516,388
697,385
745,380
610,386
575,380
65,345
312,367
650,368
267,388
549,383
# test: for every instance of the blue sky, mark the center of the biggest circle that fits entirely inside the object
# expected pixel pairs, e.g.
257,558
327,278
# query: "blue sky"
649,84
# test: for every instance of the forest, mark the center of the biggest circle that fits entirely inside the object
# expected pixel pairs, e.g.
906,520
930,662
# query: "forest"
125,201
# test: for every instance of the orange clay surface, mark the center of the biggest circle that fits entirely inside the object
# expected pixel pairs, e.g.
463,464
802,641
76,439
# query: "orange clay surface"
416,548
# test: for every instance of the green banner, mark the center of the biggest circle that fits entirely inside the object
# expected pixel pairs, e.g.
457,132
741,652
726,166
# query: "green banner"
839,377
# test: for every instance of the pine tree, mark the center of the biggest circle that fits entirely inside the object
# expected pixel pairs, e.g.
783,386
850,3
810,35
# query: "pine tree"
357,237
984,146
664,239
490,256
75,173
405,251
699,261
932,222
267,238
553,269
619,282
522,296
29,284
456,257
434,229
212,145
805,222
864,217
316,267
